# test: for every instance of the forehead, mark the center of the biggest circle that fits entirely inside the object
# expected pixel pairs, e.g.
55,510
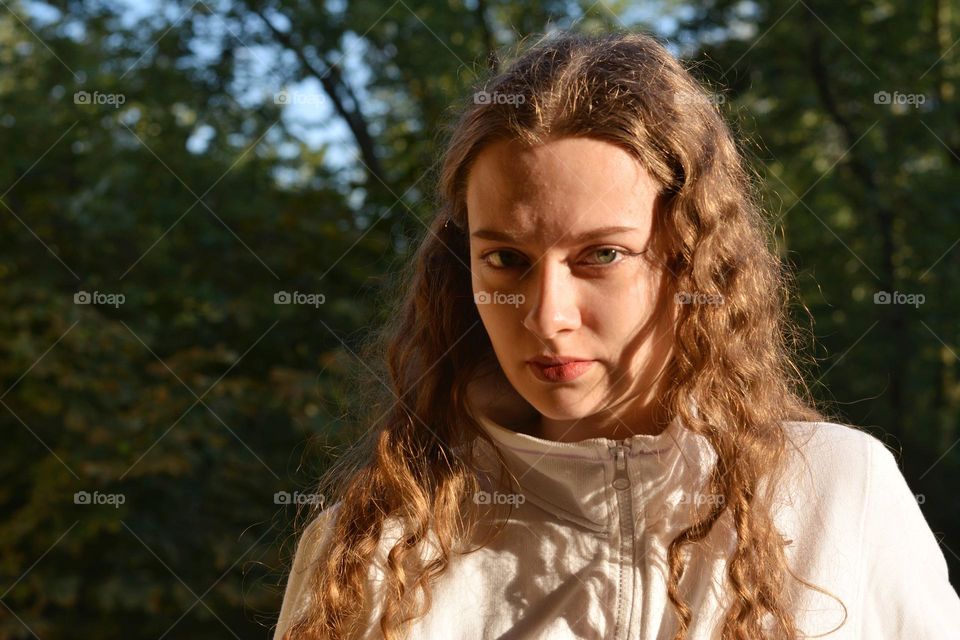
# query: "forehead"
564,186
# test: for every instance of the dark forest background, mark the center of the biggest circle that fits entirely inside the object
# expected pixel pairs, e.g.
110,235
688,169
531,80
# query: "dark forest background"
168,169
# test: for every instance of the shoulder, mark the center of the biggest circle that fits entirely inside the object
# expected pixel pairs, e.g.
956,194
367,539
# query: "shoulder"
319,528
843,469
838,450
828,438
835,466
310,548
853,512
314,538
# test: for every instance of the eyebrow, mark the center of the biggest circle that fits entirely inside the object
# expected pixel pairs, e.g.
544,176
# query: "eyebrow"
493,234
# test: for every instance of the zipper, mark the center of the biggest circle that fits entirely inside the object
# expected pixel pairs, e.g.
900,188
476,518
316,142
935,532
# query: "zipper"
621,483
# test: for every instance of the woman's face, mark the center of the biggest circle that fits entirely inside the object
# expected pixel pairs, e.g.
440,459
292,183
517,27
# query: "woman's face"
563,267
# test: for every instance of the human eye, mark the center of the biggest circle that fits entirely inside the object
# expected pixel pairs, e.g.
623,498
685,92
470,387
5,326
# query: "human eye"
607,255
501,259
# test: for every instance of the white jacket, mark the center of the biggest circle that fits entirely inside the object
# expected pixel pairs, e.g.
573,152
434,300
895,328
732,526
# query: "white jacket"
584,553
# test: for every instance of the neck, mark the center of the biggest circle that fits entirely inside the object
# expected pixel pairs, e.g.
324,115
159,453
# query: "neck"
611,423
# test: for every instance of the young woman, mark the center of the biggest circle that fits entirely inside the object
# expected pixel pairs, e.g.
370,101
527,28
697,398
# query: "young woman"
594,428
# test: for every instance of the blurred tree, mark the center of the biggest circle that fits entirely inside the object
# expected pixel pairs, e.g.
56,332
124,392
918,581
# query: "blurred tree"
134,171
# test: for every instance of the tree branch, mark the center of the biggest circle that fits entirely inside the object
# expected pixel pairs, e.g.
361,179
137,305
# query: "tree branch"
333,84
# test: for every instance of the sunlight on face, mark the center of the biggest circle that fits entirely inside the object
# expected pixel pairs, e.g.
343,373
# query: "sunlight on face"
563,265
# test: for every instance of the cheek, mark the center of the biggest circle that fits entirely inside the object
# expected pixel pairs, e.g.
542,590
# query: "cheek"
647,292
497,318
618,305
481,280
499,306
619,313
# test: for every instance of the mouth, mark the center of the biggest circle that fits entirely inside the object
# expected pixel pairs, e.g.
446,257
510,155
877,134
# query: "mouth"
558,368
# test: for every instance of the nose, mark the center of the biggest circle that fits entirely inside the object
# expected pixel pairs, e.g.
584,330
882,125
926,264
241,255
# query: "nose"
554,306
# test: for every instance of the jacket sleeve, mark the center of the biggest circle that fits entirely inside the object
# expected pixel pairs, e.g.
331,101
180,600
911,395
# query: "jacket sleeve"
310,548
905,589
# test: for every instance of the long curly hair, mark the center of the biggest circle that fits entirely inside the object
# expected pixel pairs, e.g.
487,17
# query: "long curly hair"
734,374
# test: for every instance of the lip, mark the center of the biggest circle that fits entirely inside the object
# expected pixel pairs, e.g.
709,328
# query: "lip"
558,368
551,360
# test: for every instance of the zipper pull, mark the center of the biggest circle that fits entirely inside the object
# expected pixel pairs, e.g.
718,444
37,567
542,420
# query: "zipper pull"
621,480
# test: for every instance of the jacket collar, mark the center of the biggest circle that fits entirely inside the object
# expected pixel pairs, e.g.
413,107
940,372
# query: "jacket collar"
575,480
